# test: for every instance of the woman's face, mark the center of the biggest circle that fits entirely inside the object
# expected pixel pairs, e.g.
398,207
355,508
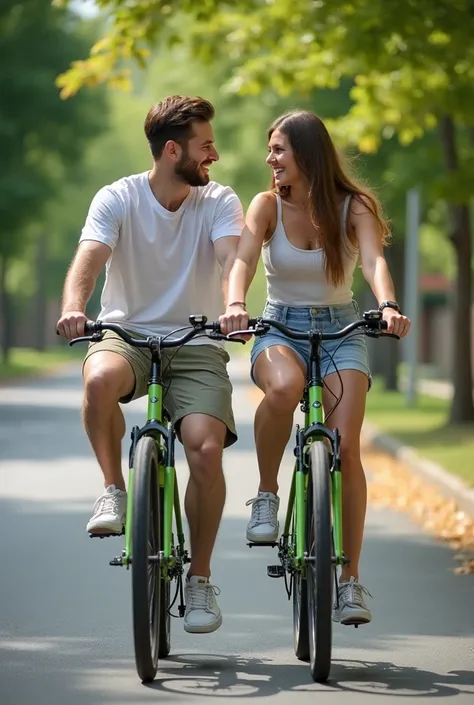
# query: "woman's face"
281,160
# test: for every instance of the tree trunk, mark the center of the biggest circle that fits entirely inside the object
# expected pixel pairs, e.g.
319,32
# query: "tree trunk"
462,407
40,299
6,312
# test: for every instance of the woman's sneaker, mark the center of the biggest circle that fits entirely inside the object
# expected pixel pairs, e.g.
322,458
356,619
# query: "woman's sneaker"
263,526
109,513
202,611
352,609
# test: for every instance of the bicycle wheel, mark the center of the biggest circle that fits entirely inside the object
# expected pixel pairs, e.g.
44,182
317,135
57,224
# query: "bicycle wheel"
300,611
164,639
320,569
146,542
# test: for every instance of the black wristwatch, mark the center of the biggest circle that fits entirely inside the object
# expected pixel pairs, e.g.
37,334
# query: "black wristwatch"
389,304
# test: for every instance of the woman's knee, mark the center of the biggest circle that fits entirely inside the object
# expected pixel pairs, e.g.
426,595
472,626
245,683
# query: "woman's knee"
283,394
282,381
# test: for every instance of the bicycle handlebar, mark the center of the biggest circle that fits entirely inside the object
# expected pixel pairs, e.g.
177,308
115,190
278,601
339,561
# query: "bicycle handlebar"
372,321
94,330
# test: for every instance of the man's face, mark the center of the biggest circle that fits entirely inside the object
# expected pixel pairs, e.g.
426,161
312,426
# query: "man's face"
197,156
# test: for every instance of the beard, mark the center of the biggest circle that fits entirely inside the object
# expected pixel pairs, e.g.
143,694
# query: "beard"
188,170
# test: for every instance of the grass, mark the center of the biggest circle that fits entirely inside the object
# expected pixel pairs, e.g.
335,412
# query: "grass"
27,362
424,428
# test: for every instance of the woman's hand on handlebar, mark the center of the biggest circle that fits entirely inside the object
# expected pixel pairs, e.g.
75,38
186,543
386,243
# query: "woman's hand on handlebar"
71,324
234,319
397,323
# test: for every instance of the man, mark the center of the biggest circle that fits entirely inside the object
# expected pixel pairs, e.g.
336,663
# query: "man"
168,239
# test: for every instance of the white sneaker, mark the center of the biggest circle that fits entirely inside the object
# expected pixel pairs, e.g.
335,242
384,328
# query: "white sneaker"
109,512
202,612
352,608
263,526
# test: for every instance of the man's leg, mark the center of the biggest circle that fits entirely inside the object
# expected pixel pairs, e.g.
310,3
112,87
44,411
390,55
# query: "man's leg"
199,401
111,372
203,439
108,377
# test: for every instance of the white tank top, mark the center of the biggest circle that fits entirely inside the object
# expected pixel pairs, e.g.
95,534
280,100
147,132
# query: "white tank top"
296,277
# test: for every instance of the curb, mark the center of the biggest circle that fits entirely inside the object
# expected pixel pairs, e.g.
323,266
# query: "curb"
450,486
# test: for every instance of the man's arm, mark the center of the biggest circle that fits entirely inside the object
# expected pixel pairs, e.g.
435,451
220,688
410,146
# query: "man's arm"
99,237
225,234
80,282
226,250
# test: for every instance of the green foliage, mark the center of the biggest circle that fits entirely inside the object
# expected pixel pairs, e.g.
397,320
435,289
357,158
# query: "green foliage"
411,60
42,137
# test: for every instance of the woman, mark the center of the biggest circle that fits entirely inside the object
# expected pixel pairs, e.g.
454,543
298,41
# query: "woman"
312,228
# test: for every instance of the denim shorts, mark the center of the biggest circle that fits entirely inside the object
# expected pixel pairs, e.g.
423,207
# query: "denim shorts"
349,353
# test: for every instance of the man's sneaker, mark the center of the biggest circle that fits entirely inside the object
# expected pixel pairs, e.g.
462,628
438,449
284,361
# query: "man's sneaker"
109,512
263,526
352,609
202,612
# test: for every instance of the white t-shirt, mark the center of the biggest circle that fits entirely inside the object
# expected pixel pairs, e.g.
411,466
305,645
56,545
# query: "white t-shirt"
163,265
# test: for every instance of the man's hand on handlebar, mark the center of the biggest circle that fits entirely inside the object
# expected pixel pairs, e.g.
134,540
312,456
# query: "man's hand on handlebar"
71,324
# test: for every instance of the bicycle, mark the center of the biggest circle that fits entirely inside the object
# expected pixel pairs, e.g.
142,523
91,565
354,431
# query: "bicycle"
310,548
156,555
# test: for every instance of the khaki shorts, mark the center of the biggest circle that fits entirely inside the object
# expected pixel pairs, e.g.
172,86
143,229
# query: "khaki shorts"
195,379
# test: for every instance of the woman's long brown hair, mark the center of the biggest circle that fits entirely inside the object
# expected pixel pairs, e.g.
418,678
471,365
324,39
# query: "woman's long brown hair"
318,160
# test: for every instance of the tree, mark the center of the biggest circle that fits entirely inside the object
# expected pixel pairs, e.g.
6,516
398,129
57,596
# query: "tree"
413,64
42,136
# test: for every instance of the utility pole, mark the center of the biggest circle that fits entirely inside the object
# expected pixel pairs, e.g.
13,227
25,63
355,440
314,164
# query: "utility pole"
412,296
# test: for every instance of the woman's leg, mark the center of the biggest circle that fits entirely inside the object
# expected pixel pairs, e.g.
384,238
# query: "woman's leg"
280,374
348,418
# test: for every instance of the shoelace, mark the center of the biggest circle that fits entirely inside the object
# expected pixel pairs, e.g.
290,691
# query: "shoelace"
264,510
200,596
352,593
107,503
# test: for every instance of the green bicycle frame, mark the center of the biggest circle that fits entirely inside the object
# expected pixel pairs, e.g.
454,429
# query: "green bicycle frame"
314,430
164,438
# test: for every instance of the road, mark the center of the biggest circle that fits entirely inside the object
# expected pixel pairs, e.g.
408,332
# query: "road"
65,617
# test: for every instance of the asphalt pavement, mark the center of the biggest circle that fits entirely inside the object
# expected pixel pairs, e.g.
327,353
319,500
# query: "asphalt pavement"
65,614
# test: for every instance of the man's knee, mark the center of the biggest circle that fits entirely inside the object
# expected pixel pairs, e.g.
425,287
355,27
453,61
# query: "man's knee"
108,377
203,439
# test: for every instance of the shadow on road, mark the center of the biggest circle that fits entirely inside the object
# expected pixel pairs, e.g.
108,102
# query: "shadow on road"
66,630
237,676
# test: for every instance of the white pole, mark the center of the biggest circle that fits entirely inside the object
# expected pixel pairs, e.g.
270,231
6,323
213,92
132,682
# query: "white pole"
412,297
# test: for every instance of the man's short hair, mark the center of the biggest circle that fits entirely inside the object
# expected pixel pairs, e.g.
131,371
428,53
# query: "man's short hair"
172,119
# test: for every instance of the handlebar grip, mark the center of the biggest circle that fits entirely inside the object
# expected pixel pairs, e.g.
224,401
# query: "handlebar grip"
91,327
383,325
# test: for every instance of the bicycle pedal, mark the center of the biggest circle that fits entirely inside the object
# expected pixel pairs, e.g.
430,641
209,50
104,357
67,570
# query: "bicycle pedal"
271,544
106,536
275,571
117,561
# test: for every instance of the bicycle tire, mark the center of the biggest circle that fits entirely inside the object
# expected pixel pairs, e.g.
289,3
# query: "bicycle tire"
164,638
320,568
300,612
146,541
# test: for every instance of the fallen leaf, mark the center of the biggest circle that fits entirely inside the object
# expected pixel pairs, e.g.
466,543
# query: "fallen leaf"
391,483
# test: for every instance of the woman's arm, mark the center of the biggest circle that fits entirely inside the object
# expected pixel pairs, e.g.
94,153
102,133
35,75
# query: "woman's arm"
374,266
257,225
